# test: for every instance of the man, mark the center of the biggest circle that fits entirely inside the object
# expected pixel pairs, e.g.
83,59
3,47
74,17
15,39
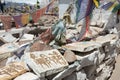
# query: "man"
2,6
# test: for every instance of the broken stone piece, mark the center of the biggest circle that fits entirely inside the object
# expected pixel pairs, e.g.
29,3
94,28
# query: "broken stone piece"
69,56
37,46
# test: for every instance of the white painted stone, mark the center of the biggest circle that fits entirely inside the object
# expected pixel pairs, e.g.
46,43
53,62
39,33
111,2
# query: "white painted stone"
45,63
7,37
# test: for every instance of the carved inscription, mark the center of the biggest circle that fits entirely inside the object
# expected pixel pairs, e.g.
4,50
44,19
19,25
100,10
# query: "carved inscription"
10,69
48,60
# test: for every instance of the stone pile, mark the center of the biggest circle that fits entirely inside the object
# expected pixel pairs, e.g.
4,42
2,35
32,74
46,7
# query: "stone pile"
86,60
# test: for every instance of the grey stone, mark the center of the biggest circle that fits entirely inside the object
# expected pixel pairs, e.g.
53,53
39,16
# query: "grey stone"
105,74
66,72
88,60
81,75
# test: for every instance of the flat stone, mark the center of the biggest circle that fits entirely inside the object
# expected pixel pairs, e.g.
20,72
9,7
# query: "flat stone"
12,70
106,38
27,76
7,49
82,46
7,37
70,56
45,63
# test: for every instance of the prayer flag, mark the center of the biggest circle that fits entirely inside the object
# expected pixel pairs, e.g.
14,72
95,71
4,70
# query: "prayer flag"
96,2
25,19
84,8
108,5
116,8
17,19
6,21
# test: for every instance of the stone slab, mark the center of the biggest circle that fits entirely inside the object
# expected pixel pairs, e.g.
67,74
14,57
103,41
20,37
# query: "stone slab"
12,70
27,76
82,46
45,63
106,38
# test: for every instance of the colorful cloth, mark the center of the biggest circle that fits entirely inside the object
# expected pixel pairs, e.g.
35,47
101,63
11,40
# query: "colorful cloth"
84,8
36,15
108,5
97,3
25,19
59,32
49,6
46,36
85,29
6,21
17,20
116,8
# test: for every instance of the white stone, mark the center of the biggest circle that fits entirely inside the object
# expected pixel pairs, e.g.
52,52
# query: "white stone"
82,46
45,63
27,76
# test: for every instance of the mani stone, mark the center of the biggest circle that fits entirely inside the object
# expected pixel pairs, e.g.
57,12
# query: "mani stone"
12,70
45,63
27,76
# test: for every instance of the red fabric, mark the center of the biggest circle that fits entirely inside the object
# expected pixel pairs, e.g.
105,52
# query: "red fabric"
87,31
36,15
46,36
6,21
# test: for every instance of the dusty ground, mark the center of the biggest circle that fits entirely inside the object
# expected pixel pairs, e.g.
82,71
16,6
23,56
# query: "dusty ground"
116,72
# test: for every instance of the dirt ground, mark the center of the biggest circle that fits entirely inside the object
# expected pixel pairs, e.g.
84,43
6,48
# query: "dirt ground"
116,73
